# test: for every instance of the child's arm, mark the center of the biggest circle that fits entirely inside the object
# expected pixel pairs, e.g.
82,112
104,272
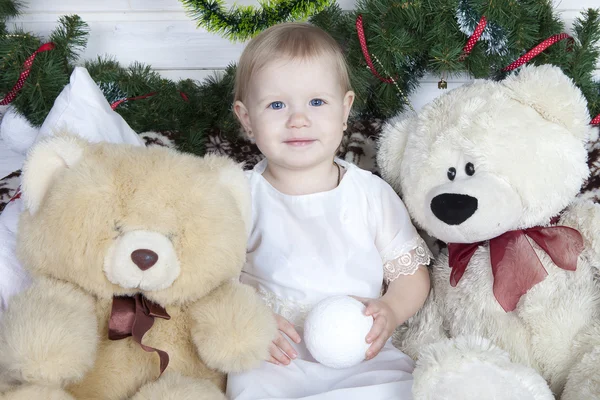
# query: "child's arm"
407,294
404,297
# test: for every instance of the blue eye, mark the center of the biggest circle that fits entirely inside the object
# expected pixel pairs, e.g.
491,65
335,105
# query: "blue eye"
316,102
276,105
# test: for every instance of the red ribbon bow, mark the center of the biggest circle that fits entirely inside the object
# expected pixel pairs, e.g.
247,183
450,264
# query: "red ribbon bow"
515,265
134,316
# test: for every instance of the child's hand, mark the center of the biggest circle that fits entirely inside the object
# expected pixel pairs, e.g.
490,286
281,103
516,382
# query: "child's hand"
384,324
280,349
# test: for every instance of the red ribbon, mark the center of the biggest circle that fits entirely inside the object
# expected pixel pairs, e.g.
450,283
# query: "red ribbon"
134,316
10,96
524,59
118,102
515,265
17,195
474,38
363,46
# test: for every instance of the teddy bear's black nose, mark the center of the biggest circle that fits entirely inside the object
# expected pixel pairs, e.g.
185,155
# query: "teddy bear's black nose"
144,258
452,208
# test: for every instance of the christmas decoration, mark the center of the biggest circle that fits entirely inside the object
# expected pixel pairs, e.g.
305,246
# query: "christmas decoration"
34,71
389,45
396,42
242,23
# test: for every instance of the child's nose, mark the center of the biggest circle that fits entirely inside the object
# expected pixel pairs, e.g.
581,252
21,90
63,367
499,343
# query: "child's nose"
298,119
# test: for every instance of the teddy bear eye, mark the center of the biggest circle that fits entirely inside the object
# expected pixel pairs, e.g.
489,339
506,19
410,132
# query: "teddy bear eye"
451,173
470,169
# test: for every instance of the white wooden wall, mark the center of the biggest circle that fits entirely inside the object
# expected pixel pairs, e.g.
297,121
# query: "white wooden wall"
159,33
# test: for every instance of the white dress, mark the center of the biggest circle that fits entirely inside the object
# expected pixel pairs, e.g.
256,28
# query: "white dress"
305,248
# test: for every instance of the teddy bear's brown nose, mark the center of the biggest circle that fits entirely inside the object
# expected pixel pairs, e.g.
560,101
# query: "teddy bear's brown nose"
144,258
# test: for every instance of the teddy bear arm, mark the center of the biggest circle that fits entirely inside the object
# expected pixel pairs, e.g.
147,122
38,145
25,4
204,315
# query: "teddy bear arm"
584,216
48,334
232,328
424,328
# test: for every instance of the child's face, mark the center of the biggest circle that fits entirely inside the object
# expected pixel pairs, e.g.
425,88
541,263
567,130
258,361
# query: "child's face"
296,111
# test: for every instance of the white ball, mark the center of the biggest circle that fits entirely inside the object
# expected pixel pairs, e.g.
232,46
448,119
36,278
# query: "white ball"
335,331
16,131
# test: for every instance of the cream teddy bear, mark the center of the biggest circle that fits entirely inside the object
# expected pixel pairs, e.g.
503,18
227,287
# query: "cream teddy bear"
135,254
493,169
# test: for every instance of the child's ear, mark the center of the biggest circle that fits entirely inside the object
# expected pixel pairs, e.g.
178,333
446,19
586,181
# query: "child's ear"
348,100
242,113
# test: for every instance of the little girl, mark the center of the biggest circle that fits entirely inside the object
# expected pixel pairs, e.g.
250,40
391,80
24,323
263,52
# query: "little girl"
321,226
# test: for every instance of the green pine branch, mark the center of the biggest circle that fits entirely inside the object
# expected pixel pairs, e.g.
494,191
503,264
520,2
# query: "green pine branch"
241,23
70,37
8,9
50,70
585,56
405,38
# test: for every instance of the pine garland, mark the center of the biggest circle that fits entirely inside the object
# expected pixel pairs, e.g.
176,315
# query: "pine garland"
407,38
411,38
187,107
242,23
50,70
584,57
8,9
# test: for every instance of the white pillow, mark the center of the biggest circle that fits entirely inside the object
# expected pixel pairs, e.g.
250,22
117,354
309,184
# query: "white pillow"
81,109
16,133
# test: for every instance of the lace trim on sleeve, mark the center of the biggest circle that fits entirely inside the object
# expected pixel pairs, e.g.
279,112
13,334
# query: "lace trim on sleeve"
407,262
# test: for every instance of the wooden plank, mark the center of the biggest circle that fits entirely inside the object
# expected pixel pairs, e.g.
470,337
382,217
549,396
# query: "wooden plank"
75,6
575,4
165,44
164,40
194,74
167,40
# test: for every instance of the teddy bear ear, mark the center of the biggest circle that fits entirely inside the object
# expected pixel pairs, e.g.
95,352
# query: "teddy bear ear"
553,95
391,146
44,162
233,177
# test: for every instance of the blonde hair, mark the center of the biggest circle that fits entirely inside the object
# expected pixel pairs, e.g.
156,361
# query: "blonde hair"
289,40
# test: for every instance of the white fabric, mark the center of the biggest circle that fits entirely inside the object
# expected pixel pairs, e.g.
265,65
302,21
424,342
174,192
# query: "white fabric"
13,278
82,110
16,131
303,249
10,160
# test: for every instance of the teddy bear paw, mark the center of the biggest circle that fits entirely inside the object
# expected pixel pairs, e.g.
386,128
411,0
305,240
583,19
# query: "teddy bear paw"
234,329
470,368
174,386
584,380
29,392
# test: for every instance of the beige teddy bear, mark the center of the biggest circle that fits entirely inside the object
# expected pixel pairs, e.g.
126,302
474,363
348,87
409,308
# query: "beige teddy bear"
493,169
135,254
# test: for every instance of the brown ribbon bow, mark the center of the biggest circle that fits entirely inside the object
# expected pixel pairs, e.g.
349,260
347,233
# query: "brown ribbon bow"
134,316
515,265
